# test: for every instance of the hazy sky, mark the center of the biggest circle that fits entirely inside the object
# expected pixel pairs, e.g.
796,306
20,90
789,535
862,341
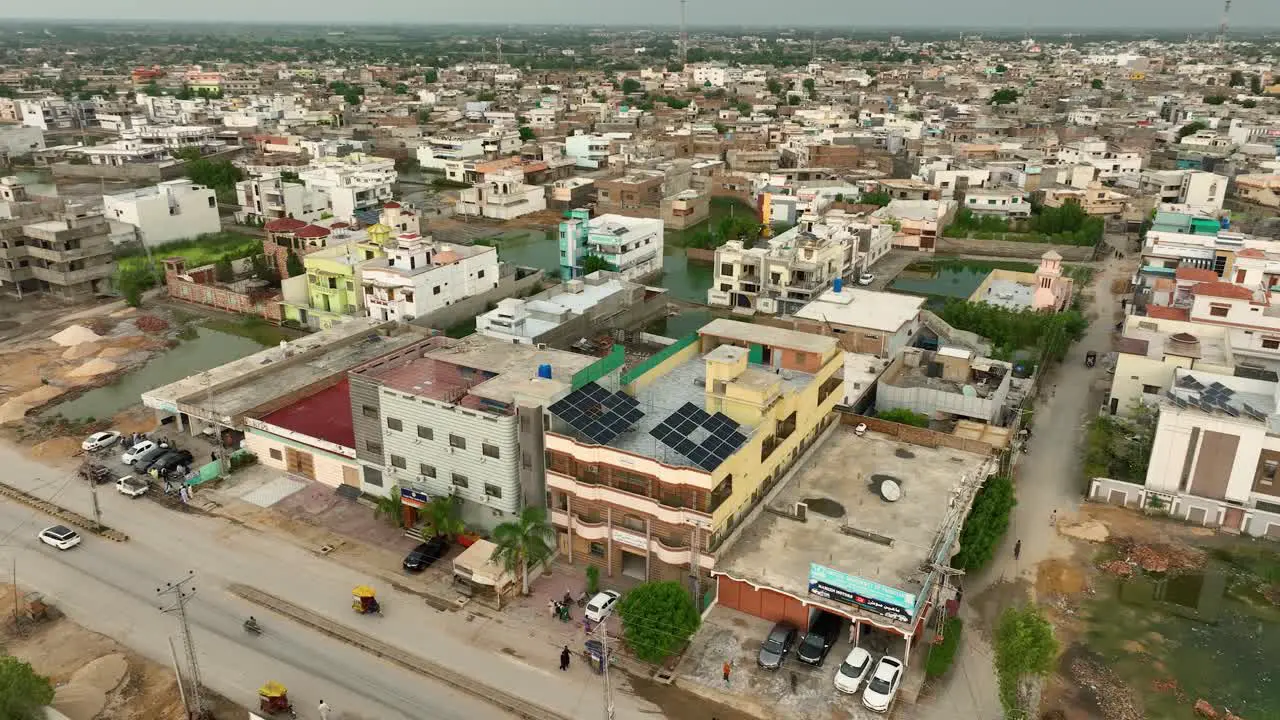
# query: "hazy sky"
853,14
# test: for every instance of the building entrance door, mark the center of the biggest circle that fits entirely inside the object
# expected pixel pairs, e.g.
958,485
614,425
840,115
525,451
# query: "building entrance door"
633,566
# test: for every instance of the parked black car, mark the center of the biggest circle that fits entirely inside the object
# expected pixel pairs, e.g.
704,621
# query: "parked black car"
776,646
143,462
423,556
818,641
172,459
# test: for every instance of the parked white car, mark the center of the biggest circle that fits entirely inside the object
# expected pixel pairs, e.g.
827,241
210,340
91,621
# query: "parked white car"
866,279
60,536
883,685
100,440
601,606
137,451
853,671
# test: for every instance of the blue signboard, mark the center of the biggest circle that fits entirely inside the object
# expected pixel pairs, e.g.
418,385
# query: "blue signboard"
860,592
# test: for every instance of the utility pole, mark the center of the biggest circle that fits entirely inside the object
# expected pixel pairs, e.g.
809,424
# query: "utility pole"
93,496
603,628
181,592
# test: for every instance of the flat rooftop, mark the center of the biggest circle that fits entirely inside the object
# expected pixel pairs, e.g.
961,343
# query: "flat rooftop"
1009,294
766,335
863,308
838,484
325,415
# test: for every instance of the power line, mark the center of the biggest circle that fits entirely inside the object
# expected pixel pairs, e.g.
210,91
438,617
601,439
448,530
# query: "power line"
181,592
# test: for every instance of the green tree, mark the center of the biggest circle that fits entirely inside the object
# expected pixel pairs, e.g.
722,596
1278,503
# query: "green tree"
773,86
1004,96
1191,128
352,97
593,262
223,270
220,175
132,281
1025,651
1255,84
293,265
1237,79
400,89
264,269
657,619
1214,99
904,416
943,654
986,525
443,516
522,542
152,89
1002,69
184,93
431,76
390,508
526,133
811,87
23,693
1249,104
878,197
1096,84
631,85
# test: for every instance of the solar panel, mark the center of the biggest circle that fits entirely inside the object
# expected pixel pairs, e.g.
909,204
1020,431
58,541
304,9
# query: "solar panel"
1178,401
1229,410
1253,412
706,440
1190,383
597,413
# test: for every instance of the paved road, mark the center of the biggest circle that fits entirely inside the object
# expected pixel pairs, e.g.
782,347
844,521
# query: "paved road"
1049,480
109,587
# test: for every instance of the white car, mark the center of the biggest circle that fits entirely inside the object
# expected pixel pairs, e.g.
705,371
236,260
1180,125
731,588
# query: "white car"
853,671
137,451
100,440
60,536
601,606
866,279
883,685
132,486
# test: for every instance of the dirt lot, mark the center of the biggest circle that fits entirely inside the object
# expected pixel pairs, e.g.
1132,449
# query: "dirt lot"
97,678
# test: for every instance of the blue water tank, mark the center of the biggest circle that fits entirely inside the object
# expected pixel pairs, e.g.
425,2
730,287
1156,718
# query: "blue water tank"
544,371
1225,222
839,285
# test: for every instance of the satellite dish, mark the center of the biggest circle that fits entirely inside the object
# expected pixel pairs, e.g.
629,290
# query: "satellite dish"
890,490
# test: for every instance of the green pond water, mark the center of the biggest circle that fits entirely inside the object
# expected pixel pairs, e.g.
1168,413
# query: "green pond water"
207,349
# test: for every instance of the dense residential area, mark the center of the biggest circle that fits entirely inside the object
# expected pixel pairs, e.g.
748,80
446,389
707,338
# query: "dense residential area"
632,372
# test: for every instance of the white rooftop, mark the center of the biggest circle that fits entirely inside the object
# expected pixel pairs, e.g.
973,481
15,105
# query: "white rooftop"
863,308
1009,295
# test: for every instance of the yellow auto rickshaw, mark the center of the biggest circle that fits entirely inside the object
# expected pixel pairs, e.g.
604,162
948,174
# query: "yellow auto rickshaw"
273,699
364,600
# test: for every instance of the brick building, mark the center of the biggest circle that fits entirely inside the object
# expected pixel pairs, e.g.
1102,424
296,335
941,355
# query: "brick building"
201,286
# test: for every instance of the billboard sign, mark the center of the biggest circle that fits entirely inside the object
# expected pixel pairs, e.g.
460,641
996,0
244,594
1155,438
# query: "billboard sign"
860,592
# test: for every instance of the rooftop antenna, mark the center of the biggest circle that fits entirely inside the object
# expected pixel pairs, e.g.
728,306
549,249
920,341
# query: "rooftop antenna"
1222,27
499,41
684,36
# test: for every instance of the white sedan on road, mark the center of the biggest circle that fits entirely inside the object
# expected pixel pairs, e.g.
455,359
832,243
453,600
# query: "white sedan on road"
100,440
137,451
60,536
884,684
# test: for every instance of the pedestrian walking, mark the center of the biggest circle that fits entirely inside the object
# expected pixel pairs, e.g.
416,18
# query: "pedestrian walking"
1053,517
325,710
728,668
551,608
213,456
564,658
1017,549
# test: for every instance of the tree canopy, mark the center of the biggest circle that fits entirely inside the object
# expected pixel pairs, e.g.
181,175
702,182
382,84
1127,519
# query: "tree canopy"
522,542
986,525
23,693
657,619
1004,96
631,85
593,262
1025,648
1096,84
1191,128
1050,334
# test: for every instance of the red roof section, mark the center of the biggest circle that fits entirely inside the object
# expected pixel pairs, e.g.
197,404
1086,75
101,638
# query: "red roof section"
1223,290
284,225
1196,274
312,231
393,204
1168,313
325,415
1251,253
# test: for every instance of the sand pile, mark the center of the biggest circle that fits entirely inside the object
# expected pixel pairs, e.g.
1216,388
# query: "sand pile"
114,352
83,350
96,366
84,697
75,335
16,408
1090,530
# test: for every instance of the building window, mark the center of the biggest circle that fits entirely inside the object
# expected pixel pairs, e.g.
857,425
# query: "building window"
489,450
275,454
1271,343
460,480
1151,389
596,549
457,441
426,470
369,411
1219,310
492,491
480,274
397,461
373,476
435,290
425,433
373,446
394,424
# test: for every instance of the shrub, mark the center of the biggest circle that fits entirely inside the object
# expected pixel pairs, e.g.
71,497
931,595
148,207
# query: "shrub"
904,416
593,579
657,620
944,653
986,524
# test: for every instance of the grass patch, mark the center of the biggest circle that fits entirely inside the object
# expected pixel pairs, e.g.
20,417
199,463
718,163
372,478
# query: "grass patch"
253,328
201,250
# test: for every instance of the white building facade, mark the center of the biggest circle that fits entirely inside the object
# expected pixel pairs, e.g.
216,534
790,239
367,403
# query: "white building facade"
354,183
420,276
170,211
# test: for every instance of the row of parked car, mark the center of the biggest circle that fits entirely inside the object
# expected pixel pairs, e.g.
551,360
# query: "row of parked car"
142,456
881,683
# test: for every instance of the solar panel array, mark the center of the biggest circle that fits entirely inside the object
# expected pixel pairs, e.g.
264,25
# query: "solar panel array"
598,414
706,440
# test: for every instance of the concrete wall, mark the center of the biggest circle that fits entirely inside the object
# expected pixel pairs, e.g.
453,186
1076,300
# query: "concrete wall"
467,308
603,319
916,435
1010,248
272,451
139,173
266,306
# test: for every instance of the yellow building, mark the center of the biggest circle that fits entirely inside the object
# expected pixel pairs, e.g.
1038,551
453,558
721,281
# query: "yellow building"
330,291
654,488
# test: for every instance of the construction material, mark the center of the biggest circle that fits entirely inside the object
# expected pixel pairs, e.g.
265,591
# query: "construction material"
75,335
506,701
67,516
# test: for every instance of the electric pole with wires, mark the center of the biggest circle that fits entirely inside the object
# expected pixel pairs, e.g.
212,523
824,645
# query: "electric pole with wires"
603,629
181,592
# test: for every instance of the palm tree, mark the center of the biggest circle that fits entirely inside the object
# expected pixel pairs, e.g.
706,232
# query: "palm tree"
522,542
389,507
444,517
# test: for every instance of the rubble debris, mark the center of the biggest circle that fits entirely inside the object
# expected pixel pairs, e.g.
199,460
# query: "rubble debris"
1115,700
1205,710
151,323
